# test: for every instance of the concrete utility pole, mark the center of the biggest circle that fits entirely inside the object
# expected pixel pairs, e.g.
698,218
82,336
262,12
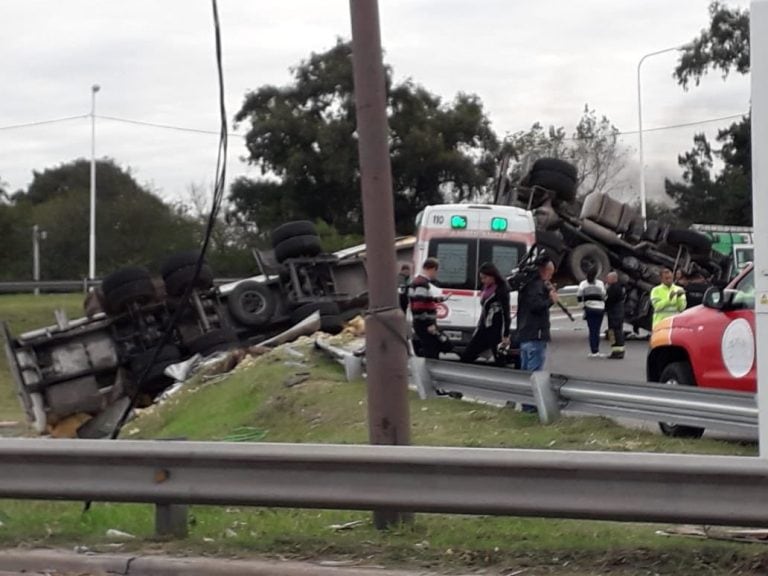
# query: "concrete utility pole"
36,256
759,68
386,355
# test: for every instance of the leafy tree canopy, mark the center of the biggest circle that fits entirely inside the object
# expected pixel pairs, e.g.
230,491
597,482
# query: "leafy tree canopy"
303,136
706,195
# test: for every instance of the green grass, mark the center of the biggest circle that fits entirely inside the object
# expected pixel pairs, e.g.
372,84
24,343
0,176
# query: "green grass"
24,312
254,401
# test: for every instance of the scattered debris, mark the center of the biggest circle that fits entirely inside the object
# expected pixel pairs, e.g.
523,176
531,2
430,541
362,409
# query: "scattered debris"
119,534
753,535
292,352
8,424
229,533
296,379
348,525
208,540
245,434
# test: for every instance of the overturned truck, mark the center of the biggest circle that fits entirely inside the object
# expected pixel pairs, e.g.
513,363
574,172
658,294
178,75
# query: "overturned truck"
603,233
77,377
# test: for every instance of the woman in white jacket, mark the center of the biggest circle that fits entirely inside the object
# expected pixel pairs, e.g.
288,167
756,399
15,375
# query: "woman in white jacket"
591,293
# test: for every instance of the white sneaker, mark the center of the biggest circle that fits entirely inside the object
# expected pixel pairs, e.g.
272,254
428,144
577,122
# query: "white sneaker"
595,355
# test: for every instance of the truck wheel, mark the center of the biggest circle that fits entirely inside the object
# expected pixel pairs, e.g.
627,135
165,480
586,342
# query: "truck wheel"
563,186
693,239
129,285
298,246
679,374
553,245
332,324
325,309
212,341
652,230
556,165
291,229
586,256
251,303
178,271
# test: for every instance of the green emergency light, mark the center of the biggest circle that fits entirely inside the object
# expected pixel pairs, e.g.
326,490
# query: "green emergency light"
498,224
458,222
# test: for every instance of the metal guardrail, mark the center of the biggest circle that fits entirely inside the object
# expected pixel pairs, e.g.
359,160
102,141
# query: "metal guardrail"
67,285
722,490
711,409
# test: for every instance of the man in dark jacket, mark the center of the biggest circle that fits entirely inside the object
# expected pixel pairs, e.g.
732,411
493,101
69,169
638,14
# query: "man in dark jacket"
424,298
533,304
614,310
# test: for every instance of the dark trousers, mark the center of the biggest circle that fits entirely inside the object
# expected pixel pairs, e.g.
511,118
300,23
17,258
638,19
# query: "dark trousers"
594,321
430,345
482,340
616,335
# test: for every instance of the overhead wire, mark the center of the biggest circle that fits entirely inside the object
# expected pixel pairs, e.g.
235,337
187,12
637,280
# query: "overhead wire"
218,196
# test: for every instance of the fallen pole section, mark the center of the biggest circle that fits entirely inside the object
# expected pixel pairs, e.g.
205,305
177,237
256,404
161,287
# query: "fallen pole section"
719,490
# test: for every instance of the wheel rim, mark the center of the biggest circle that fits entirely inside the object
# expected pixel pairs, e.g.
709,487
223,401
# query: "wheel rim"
253,302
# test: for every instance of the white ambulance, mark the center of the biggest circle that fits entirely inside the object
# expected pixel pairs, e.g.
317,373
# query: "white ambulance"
463,237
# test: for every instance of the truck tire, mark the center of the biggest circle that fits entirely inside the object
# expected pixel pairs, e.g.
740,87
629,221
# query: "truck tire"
556,165
298,246
557,182
325,309
693,239
652,230
291,229
212,341
252,303
679,374
178,272
585,256
553,245
127,286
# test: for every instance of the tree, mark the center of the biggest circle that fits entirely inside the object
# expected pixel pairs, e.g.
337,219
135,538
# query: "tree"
303,136
133,226
594,148
724,197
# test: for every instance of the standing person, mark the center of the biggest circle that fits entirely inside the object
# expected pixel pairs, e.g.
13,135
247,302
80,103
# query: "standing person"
614,311
534,300
494,324
667,299
424,297
403,279
591,293
695,289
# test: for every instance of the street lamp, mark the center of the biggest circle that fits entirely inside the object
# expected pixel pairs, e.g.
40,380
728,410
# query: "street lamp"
92,239
640,125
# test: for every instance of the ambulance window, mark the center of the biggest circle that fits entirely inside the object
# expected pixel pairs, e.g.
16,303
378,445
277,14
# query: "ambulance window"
457,262
505,255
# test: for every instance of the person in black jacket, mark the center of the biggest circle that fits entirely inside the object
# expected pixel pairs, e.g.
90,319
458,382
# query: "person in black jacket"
614,310
494,323
533,304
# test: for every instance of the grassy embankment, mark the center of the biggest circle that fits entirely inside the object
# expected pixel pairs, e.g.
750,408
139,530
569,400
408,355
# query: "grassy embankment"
326,409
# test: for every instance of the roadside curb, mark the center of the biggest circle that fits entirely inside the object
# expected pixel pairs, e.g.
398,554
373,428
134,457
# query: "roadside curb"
61,562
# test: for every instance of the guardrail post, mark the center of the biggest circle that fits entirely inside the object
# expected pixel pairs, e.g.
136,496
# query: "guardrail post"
547,400
172,520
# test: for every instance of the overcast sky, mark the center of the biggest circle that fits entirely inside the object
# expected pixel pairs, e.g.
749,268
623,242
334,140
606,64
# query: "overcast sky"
528,61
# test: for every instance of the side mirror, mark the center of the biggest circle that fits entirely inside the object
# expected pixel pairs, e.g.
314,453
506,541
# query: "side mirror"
714,298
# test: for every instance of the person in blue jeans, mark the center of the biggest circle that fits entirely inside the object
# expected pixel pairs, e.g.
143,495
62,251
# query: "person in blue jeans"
533,303
591,293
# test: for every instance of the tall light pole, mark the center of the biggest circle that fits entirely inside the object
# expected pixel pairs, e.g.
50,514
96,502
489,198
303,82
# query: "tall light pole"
640,124
92,237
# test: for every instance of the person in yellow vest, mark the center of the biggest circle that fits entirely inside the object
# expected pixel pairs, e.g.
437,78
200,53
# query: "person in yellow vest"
667,298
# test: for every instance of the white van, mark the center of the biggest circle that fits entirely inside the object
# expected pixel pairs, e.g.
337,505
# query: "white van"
462,237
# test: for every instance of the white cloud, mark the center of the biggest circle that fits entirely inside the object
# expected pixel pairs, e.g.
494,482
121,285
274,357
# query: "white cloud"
528,61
